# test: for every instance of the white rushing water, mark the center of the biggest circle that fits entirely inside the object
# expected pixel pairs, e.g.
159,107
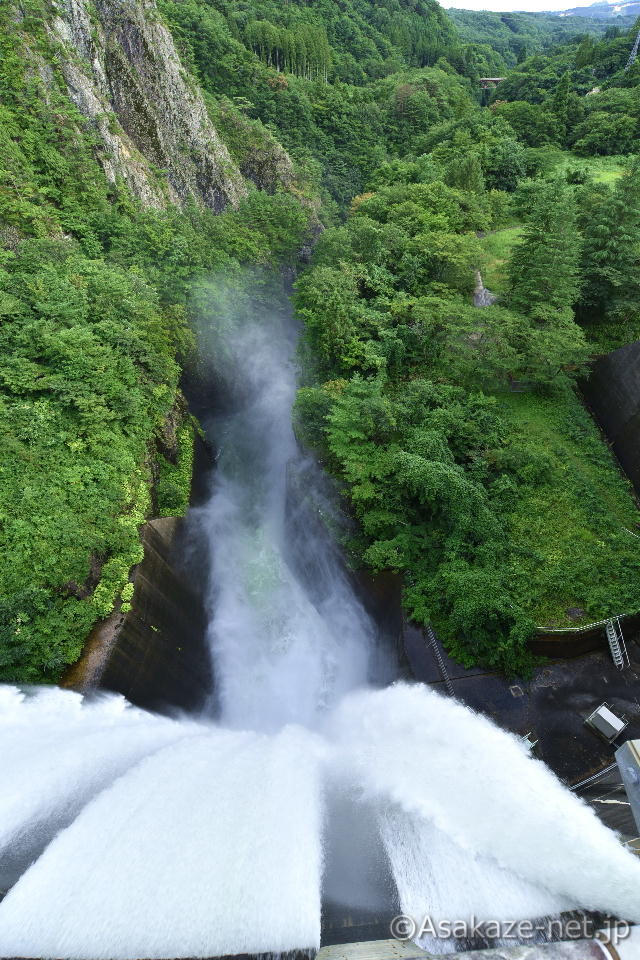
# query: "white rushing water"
129,835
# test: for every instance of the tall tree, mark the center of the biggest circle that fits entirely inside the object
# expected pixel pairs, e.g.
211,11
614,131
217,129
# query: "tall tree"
543,273
585,53
611,252
465,173
560,105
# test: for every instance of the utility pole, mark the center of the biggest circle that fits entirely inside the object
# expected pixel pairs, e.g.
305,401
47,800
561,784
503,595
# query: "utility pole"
634,52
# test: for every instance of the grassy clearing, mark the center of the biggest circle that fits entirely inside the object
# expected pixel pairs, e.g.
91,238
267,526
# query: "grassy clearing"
601,169
605,169
571,517
496,247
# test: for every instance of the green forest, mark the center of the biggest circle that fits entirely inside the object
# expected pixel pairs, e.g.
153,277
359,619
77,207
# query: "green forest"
580,97
515,36
457,435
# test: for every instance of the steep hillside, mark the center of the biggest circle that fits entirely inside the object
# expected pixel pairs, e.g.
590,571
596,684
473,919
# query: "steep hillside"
456,432
116,192
344,85
144,149
123,74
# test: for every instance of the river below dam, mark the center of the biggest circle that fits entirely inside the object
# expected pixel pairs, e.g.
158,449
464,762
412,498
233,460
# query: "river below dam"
308,778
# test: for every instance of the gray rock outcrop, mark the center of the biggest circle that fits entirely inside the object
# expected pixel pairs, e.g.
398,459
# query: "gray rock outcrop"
124,75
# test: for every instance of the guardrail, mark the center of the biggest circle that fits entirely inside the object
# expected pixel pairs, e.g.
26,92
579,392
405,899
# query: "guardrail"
586,627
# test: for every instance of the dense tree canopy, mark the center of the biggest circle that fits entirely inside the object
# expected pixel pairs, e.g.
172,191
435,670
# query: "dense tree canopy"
346,84
611,253
517,35
580,96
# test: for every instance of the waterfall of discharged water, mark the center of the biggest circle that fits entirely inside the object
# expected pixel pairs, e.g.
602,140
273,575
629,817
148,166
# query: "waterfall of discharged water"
129,835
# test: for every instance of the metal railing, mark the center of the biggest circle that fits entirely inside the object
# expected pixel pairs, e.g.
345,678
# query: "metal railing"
616,644
583,629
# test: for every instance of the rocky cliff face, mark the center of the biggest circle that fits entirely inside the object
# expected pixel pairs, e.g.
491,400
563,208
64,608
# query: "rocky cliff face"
124,75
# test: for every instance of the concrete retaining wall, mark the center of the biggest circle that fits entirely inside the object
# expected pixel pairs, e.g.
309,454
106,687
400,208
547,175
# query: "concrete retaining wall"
613,394
156,653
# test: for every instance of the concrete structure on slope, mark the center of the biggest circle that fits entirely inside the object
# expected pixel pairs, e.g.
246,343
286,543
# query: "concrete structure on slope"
628,759
613,393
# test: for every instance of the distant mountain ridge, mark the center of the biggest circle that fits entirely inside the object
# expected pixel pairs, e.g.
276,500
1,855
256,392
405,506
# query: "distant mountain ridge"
517,35
602,11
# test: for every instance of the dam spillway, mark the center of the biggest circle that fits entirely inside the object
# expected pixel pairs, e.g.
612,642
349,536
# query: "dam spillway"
125,834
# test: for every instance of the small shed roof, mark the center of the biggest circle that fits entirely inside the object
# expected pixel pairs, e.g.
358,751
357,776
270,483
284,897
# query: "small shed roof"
605,722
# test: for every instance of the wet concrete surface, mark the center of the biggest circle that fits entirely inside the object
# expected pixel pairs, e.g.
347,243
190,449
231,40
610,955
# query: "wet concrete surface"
551,705
342,924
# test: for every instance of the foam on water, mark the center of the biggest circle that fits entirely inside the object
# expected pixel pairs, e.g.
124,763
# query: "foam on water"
57,752
140,836
210,846
441,764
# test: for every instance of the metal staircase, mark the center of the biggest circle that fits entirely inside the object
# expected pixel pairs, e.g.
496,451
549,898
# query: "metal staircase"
616,643
432,640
